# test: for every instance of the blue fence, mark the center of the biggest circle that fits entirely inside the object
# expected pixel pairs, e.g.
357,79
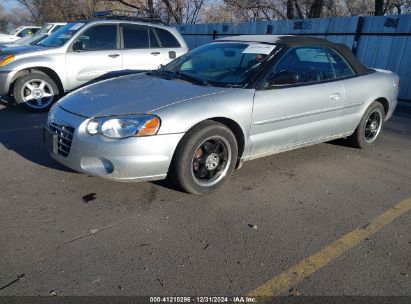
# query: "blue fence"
380,42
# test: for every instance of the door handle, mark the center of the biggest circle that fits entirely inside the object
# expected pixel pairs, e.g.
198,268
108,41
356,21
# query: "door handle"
335,96
113,55
155,53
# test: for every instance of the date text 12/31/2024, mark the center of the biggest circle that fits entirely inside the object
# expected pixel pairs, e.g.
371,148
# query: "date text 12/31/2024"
239,299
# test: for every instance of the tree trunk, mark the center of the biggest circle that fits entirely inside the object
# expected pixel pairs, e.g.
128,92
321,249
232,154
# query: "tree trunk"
290,9
379,8
173,12
316,8
299,12
150,7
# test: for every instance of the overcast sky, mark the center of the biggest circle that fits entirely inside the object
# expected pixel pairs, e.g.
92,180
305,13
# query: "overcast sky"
9,4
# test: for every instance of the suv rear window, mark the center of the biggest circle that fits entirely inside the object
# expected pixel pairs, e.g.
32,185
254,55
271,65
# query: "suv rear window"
135,36
167,39
153,39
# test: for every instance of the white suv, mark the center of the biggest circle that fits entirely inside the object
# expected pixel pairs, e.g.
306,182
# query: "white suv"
83,52
42,33
18,33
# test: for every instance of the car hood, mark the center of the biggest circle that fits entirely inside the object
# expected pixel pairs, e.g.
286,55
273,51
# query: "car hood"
7,45
7,38
131,95
21,49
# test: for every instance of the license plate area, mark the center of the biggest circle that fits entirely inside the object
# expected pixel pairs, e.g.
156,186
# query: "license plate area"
50,140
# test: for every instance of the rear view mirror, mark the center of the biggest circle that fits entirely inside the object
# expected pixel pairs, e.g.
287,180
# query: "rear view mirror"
79,46
285,78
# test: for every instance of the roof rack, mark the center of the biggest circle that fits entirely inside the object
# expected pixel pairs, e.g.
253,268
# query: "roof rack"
127,15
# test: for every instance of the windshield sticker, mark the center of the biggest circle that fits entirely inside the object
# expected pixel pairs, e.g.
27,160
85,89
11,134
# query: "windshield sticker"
76,26
259,49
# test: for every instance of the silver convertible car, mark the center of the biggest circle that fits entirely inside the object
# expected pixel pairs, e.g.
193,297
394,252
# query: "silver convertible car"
239,98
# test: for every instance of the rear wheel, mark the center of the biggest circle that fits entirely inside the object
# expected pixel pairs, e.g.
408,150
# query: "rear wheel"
205,158
35,92
369,127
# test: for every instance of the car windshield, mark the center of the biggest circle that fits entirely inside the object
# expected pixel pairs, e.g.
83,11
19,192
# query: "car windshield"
35,40
45,28
226,64
61,36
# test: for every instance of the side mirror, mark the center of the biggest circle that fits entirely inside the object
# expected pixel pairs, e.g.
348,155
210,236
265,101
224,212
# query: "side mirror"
285,78
79,46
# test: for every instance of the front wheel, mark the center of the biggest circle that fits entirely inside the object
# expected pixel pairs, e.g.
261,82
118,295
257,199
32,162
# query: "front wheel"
35,92
369,127
205,158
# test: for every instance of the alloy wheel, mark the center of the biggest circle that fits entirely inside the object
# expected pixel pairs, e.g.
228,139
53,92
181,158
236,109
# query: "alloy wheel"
211,161
37,93
373,126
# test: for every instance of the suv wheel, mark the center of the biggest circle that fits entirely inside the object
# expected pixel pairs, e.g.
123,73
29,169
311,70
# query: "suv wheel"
35,92
205,158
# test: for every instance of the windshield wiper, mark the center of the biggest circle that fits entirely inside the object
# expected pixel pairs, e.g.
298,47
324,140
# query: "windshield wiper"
177,75
159,73
190,78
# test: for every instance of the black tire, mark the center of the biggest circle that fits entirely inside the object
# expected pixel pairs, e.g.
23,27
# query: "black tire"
206,146
47,94
367,133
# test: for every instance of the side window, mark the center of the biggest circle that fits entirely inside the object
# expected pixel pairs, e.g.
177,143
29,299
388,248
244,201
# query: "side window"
135,36
25,32
167,39
304,65
100,37
341,67
153,39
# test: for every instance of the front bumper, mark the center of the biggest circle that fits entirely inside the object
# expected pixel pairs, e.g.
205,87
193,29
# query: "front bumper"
5,81
130,159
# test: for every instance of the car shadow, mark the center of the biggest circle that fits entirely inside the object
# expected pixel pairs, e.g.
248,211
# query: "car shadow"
343,142
22,133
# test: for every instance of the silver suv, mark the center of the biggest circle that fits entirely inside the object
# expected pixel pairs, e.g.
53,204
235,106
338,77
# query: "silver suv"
83,52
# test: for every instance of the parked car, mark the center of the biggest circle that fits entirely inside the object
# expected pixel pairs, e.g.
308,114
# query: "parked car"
18,33
82,52
229,101
42,33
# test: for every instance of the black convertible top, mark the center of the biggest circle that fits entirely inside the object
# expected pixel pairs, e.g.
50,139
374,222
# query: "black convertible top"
291,41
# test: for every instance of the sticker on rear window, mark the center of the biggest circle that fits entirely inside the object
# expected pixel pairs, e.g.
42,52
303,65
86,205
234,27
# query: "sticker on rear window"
76,26
259,49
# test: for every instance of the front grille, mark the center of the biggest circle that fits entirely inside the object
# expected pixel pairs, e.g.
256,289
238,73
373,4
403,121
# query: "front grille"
65,135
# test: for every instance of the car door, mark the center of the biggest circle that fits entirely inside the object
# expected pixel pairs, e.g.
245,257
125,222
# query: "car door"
355,95
140,48
94,55
305,109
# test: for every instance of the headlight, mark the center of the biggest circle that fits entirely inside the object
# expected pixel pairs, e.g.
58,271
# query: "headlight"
124,126
6,60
